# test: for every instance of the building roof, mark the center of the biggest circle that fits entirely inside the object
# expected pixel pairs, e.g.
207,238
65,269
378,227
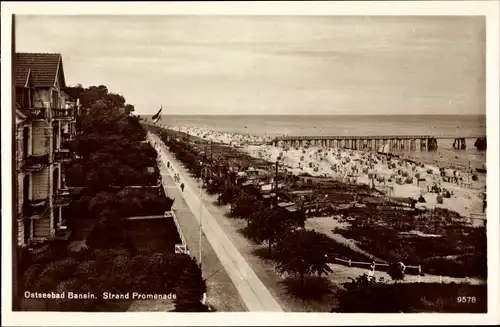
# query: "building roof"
43,68
285,204
22,112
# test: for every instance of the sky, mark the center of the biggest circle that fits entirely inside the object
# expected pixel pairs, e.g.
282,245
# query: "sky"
246,65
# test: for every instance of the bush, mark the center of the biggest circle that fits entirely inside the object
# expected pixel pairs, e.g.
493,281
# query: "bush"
109,234
190,288
75,286
54,273
408,297
135,202
117,270
471,264
79,208
396,271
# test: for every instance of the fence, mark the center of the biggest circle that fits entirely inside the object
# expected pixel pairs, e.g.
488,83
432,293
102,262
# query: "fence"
117,187
417,270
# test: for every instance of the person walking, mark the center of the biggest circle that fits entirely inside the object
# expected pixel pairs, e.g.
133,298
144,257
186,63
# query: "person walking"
182,187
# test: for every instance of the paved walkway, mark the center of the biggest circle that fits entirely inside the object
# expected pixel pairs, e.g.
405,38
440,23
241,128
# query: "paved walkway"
221,292
253,292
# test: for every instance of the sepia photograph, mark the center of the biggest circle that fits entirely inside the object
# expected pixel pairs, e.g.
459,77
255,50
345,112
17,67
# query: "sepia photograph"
282,163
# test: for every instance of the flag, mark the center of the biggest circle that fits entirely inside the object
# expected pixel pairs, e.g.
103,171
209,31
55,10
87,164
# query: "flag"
157,117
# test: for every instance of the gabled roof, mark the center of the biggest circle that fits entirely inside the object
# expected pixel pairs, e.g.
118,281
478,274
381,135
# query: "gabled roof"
43,68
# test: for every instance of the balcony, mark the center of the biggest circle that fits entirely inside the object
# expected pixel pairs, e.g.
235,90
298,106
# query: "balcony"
36,162
63,155
63,114
35,209
39,113
62,198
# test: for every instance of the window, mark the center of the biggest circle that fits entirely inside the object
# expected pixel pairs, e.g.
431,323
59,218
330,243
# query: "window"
55,99
26,140
55,181
26,188
26,98
27,231
55,220
55,136
31,100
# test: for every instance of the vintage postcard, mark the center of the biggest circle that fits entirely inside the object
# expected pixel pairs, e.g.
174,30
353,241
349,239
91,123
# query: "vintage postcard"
253,163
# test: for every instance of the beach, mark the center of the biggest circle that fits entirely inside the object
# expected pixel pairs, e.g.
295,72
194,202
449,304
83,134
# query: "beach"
446,184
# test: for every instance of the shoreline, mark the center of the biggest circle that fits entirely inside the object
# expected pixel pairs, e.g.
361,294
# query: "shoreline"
460,189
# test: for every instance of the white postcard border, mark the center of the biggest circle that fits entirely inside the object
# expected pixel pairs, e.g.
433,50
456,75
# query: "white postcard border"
489,9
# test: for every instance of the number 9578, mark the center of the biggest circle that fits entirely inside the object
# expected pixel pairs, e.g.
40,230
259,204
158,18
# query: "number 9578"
466,299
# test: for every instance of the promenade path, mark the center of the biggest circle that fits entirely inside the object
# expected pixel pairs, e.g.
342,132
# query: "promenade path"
252,291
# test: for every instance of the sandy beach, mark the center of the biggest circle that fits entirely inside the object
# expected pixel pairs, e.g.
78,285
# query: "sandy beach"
459,190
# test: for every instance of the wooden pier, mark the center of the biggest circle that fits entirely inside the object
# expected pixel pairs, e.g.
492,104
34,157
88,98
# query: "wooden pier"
372,143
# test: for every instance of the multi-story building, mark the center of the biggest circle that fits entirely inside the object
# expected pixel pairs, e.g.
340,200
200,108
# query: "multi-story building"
44,121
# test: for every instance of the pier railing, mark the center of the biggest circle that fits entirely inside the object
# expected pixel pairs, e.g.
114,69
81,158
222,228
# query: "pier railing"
373,137
395,142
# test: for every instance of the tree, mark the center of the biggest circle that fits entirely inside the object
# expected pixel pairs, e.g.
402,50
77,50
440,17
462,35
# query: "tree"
76,286
228,194
54,273
245,203
133,202
129,108
302,252
100,202
76,174
270,224
362,294
190,287
396,271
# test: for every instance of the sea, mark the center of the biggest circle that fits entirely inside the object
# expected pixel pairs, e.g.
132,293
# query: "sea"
468,126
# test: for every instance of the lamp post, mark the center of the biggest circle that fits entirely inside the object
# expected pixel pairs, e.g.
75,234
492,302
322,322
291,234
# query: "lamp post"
204,171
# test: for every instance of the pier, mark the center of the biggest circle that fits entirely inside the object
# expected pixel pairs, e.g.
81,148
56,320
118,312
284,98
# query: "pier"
373,143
